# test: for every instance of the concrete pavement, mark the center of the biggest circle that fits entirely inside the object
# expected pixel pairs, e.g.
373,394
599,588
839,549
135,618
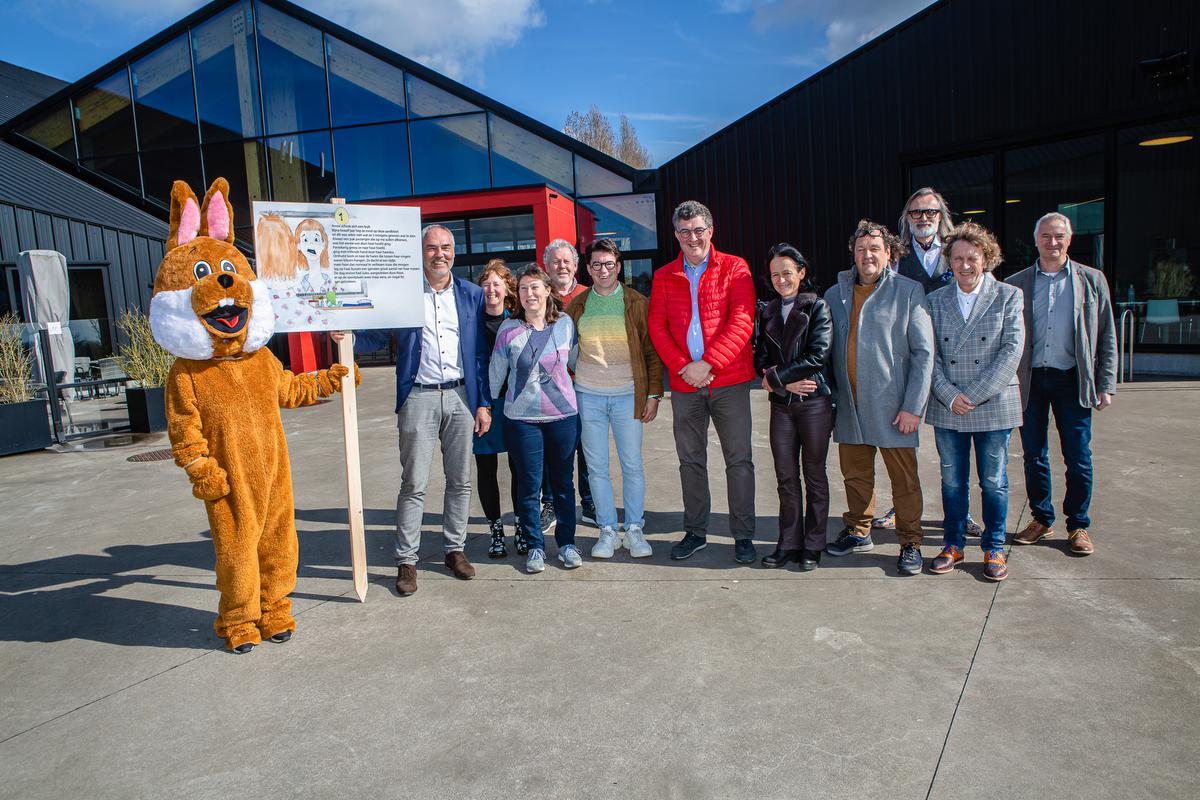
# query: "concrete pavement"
623,679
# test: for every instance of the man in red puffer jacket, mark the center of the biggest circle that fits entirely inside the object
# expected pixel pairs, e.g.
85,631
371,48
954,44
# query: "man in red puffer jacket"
701,320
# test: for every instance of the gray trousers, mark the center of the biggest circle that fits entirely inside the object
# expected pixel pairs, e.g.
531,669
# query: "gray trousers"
427,416
729,409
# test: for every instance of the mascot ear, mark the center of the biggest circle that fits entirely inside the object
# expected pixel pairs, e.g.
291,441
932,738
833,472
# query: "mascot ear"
217,213
185,215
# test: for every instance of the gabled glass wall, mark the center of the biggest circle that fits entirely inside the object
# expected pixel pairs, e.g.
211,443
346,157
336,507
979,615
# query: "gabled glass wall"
286,111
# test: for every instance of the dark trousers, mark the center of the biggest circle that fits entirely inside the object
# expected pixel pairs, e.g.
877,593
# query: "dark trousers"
544,448
1057,390
800,439
729,409
585,487
489,487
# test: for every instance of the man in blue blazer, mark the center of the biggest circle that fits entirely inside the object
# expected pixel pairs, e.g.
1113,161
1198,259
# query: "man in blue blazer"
441,395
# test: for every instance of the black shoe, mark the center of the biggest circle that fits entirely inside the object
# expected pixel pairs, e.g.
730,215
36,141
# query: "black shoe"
281,637
521,539
587,511
809,560
850,542
242,649
687,546
910,561
780,558
548,518
497,548
744,552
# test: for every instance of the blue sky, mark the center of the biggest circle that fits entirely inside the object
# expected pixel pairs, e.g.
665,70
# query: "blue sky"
680,71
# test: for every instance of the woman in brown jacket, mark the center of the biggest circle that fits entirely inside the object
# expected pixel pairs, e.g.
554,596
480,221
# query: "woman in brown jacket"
618,383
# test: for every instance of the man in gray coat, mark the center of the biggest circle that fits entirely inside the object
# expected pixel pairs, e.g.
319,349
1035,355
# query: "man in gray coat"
976,402
1069,365
882,364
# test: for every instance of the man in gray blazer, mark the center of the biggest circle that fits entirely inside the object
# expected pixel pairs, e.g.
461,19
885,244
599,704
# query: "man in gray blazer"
1069,365
976,401
882,362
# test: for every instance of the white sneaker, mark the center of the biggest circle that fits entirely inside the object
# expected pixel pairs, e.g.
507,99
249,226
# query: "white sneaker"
636,544
536,561
607,544
570,557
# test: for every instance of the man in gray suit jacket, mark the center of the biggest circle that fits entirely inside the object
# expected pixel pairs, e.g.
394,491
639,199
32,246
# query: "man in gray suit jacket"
976,400
1069,365
882,361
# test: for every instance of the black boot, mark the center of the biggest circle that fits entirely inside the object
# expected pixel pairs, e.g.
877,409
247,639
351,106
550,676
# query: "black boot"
809,560
497,549
520,539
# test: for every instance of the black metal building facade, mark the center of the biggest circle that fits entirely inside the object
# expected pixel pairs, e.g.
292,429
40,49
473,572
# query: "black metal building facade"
1012,108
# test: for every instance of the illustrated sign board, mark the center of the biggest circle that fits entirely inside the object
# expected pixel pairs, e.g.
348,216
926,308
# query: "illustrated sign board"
337,267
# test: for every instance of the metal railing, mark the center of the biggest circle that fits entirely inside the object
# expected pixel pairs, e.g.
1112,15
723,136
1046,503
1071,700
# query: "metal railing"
1125,345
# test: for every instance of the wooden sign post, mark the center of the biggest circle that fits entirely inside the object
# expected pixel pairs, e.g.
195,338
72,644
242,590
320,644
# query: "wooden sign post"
358,543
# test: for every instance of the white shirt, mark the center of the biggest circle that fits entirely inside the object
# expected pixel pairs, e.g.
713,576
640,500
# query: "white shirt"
440,359
966,300
928,258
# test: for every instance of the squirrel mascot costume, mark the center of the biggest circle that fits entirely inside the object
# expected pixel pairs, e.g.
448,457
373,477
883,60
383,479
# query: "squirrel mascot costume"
223,397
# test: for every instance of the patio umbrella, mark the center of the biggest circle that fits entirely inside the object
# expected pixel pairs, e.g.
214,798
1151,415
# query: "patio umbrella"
46,299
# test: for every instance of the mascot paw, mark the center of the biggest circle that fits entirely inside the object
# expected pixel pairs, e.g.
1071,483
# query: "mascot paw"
209,481
339,371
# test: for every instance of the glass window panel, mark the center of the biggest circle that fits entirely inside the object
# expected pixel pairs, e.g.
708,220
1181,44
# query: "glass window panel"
966,183
593,179
458,227
227,75
449,154
502,234
243,164
301,167
427,100
521,157
628,219
123,169
293,72
362,88
1067,177
639,274
1158,248
53,131
161,168
89,321
104,118
166,103
372,162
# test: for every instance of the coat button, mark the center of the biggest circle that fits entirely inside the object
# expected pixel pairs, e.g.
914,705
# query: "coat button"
946,339
977,361
953,362
983,338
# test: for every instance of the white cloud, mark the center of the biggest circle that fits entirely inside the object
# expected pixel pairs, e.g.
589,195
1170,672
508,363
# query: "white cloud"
451,36
848,24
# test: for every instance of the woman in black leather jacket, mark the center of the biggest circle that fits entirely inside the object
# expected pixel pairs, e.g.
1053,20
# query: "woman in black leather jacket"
795,334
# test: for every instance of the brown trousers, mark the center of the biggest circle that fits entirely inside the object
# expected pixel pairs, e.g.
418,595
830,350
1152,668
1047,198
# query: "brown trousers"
858,470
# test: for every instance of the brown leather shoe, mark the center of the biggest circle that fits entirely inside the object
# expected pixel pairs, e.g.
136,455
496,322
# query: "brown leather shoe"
1080,542
1032,533
995,567
406,580
944,561
457,563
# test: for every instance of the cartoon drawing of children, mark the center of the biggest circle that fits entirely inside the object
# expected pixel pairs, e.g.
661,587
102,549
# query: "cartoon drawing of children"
313,244
279,261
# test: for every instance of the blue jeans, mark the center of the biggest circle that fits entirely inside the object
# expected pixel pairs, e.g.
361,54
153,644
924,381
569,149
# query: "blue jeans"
991,462
598,413
548,445
1058,390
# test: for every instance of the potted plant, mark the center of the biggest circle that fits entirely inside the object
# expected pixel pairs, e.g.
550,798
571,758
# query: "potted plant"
146,364
24,423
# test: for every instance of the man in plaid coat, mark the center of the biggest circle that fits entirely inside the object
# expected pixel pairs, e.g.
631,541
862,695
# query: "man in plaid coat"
975,399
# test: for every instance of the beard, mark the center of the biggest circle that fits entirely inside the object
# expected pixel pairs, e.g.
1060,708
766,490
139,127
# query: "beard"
922,230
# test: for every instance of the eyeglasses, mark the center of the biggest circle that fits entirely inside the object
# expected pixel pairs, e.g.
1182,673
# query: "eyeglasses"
687,233
602,266
927,213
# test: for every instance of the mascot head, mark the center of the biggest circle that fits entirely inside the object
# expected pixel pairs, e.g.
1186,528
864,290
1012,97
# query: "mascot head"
207,302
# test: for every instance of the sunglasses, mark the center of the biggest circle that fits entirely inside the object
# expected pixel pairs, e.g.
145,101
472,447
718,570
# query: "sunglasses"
927,213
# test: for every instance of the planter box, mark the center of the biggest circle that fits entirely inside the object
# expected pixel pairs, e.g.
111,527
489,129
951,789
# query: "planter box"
24,427
147,410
